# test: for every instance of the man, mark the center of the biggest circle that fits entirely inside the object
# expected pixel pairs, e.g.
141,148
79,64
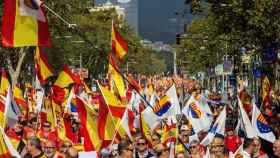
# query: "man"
142,148
217,147
46,132
125,149
155,139
161,151
34,149
249,148
195,149
185,132
49,149
258,153
64,147
276,148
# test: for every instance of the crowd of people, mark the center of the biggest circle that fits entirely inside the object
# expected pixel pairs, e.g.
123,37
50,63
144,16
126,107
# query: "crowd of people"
34,137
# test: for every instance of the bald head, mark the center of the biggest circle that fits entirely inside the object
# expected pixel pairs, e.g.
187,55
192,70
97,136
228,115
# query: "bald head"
276,148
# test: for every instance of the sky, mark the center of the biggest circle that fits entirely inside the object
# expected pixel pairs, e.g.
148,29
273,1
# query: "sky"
157,20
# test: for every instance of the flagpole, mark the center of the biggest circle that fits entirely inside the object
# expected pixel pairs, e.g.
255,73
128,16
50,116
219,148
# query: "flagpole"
59,17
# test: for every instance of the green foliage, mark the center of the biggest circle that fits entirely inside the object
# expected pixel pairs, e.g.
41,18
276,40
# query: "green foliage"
228,26
90,39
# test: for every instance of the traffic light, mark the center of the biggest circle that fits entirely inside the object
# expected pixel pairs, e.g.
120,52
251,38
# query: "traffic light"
178,38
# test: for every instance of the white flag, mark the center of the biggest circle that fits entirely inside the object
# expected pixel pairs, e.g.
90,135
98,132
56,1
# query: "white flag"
125,123
217,128
260,124
32,8
199,119
250,131
150,118
175,106
207,154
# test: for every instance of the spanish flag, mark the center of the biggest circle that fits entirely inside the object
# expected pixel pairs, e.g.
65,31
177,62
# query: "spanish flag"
119,45
2,111
5,84
111,111
24,24
88,118
66,77
42,67
114,72
21,102
6,148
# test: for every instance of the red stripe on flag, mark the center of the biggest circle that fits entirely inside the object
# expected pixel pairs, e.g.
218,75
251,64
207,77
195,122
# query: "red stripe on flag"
44,38
8,25
102,118
118,38
88,146
117,111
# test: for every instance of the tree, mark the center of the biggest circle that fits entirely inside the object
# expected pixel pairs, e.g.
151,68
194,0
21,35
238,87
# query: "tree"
90,39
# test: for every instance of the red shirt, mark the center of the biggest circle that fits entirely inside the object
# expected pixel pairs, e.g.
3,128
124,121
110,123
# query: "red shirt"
232,143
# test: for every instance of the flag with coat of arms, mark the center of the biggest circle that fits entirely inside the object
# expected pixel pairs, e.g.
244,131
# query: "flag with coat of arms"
260,124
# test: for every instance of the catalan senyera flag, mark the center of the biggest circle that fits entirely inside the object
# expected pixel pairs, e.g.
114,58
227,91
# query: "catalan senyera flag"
66,77
5,84
117,78
265,92
170,131
24,24
88,119
42,67
119,45
21,102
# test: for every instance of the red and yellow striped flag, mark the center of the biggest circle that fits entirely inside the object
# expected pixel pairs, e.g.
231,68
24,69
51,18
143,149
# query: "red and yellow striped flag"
24,24
88,118
119,45
114,73
6,148
111,111
5,84
66,77
21,102
42,67
2,111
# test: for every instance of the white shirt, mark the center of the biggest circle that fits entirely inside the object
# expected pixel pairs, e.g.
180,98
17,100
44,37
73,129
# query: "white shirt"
245,154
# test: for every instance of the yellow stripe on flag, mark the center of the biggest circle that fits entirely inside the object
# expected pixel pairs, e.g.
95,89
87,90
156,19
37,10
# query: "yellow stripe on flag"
25,27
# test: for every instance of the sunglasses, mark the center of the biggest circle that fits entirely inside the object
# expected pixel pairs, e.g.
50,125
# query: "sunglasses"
46,126
49,147
66,146
217,146
141,144
128,149
193,146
